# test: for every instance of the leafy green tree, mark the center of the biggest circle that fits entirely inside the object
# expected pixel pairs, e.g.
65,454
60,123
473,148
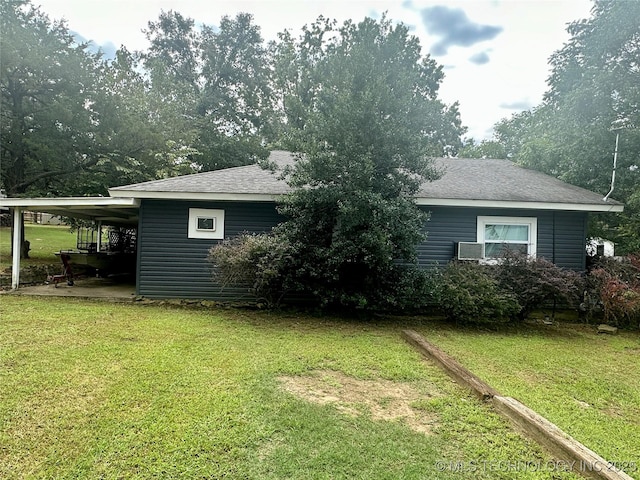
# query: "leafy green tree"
48,86
483,149
211,87
593,88
72,122
130,144
367,128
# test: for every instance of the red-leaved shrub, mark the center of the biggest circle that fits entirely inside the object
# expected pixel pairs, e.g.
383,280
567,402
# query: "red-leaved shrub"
616,286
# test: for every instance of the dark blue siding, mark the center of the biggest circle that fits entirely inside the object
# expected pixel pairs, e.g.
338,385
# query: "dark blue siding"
170,265
561,235
570,235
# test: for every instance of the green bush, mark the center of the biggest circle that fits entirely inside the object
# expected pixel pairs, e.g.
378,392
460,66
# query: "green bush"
255,261
408,289
468,293
265,264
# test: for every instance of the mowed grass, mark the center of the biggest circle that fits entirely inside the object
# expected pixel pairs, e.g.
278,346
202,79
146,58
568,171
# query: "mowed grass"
98,390
45,241
586,383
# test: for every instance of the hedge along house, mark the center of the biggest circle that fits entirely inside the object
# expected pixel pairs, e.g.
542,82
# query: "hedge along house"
477,208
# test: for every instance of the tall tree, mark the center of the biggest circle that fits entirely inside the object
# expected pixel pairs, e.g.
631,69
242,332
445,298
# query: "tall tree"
73,123
213,85
594,88
129,142
367,127
483,149
48,84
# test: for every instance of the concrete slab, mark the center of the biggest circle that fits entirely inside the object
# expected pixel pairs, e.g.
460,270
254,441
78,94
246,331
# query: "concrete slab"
99,288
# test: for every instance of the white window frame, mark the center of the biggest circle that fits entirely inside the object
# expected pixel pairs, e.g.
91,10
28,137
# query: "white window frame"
530,222
217,233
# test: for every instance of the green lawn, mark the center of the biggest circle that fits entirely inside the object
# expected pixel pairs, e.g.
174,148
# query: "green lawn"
587,384
99,390
45,240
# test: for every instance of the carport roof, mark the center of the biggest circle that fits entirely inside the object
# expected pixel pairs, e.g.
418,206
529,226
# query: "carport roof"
108,210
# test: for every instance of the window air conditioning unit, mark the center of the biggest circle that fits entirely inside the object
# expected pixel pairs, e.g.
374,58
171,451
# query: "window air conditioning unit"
470,251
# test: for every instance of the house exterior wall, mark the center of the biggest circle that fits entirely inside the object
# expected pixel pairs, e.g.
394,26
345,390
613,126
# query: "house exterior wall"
171,265
561,235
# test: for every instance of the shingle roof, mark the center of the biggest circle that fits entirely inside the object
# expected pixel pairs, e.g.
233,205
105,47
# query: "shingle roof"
464,181
250,179
501,180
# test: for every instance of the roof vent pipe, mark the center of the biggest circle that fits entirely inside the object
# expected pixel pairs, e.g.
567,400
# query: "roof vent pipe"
613,173
616,126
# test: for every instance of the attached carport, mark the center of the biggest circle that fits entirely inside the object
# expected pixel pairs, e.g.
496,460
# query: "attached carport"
102,210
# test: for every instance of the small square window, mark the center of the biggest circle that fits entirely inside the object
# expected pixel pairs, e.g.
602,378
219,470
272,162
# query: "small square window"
207,224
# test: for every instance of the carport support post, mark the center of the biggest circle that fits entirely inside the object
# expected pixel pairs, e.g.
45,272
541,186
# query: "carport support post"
99,239
17,242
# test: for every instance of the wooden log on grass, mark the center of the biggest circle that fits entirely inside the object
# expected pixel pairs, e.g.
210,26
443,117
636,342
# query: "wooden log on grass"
573,454
450,365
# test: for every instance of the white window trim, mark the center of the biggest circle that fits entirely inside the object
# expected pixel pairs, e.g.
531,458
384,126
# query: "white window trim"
218,223
531,222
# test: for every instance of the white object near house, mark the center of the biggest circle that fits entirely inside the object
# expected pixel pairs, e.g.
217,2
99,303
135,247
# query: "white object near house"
600,246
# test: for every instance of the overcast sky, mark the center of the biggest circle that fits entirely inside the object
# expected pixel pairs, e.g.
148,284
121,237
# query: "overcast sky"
495,52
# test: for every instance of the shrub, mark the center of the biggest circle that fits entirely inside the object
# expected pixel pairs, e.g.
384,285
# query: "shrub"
615,286
536,281
409,289
264,264
467,293
254,261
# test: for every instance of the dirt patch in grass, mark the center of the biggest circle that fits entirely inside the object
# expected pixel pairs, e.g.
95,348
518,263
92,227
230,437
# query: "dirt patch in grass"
381,399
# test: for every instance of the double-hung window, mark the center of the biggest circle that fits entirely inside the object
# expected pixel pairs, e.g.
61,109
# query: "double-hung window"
500,234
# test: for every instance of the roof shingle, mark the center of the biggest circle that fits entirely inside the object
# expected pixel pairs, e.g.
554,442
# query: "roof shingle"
462,179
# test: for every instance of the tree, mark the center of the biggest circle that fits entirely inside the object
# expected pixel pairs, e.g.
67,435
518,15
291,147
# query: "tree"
130,144
367,127
72,122
594,84
483,149
48,85
211,87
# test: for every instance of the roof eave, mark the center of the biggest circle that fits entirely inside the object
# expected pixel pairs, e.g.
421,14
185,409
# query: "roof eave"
105,209
241,197
122,201
582,207
449,202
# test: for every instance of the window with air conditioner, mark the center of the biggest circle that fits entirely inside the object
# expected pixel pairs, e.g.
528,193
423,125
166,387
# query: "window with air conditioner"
501,234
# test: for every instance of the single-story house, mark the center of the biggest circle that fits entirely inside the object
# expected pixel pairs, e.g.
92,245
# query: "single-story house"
476,208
